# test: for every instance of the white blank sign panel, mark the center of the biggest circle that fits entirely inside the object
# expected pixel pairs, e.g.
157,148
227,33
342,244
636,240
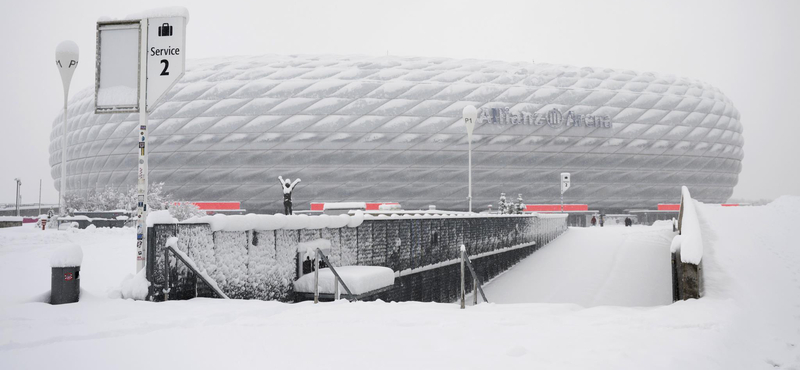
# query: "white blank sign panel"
118,84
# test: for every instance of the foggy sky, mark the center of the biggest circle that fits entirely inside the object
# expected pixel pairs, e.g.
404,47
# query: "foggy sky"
749,50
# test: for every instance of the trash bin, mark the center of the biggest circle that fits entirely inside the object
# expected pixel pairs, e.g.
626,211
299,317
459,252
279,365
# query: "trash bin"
65,285
65,281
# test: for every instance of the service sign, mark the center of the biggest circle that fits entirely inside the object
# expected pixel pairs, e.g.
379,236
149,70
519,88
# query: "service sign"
166,56
565,182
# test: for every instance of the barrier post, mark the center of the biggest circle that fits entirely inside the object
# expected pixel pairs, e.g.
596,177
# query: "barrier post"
475,292
463,252
316,277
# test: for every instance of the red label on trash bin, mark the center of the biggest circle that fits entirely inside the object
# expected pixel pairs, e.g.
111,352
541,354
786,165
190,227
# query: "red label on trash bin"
68,276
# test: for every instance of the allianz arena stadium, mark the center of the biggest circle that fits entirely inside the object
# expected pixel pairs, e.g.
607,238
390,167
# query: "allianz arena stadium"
389,129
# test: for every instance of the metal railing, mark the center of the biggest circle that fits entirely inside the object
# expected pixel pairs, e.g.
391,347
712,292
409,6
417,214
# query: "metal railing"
476,286
191,267
336,274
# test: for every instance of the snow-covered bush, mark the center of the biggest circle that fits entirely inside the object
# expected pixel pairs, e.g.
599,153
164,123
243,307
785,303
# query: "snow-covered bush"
185,210
111,198
230,252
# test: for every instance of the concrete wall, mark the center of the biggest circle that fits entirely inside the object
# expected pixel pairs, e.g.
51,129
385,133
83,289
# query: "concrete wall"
4,224
687,279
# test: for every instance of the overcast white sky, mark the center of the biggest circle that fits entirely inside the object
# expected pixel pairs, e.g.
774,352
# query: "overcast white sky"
748,49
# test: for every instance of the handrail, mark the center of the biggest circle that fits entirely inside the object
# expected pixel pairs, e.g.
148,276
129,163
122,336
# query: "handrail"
190,266
479,287
476,282
336,274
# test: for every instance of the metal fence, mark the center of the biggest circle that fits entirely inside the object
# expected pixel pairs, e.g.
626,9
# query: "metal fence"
262,264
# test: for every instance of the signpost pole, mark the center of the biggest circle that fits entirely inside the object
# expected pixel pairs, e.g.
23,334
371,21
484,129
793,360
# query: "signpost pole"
66,61
62,201
17,201
141,201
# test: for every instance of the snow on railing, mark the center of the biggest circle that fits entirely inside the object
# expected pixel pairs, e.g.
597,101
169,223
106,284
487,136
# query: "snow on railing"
690,240
220,222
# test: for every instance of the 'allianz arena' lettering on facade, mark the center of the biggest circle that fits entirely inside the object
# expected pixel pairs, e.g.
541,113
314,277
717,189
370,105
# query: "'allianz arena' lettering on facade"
389,128
554,118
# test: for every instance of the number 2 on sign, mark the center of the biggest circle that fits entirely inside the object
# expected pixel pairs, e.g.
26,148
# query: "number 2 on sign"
166,65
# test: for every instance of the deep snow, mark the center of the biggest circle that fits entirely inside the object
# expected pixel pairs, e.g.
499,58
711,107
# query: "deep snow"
595,266
749,318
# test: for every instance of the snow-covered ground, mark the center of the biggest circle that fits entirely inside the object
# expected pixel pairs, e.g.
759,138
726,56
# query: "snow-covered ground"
749,318
595,266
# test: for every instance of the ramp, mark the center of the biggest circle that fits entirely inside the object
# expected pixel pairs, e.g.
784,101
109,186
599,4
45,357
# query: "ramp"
619,266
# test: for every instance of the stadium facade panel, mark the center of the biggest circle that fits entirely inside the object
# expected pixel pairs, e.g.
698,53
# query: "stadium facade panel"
389,129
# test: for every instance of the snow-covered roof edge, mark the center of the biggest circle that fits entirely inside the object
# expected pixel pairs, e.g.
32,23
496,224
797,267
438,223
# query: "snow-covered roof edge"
164,12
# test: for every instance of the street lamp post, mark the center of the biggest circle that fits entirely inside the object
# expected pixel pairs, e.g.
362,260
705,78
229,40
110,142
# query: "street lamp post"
67,62
470,115
19,183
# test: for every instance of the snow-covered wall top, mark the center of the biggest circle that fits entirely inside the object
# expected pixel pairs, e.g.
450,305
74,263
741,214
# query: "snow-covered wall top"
220,222
379,129
691,241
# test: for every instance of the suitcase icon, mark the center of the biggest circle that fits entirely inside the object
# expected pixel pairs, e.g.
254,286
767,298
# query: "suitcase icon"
165,30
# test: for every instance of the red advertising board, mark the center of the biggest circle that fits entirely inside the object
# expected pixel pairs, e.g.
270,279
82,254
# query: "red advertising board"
556,207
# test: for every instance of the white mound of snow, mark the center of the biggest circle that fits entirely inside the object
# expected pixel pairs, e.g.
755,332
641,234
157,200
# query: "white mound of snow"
318,222
339,221
356,219
160,217
676,243
67,256
296,222
359,279
135,286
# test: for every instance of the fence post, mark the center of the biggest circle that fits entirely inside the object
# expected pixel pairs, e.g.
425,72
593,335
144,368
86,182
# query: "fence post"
316,276
166,274
475,292
463,252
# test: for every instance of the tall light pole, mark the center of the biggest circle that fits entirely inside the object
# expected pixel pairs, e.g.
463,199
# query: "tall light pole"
67,62
19,183
470,115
